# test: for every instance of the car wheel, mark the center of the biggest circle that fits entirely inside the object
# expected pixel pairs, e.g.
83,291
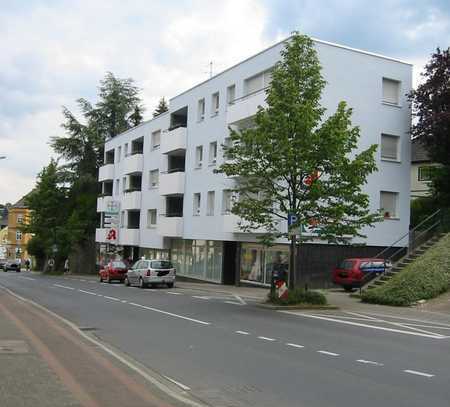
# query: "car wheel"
348,288
142,283
101,278
126,282
170,285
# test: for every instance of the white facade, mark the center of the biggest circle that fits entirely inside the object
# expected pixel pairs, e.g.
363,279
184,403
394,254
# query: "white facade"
374,86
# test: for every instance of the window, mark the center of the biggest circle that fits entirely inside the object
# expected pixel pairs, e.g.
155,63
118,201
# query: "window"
122,219
151,218
388,204
198,156
154,178
215,104
389,147
210,203
119,153
424,173
18,235
212,152
227,143
125,150
124,184
231,94
20,218
391,91
117,187
258,82
201,110
196,206
226,201
156,139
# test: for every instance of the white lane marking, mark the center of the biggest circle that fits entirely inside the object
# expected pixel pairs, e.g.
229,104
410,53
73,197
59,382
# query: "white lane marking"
170,314
87,292
181,385
242,332
124,301
111,298
265,338
405,319
234,303
64,286
239,299
120,358
173,293
27,278
381,328
294,345
200,297
429,326
370,362
419,373
324,352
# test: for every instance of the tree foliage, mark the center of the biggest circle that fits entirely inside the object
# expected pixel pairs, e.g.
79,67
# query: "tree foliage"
294,160
431,107
161,108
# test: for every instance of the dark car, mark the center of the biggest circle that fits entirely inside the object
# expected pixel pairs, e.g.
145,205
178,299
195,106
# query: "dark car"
13,265
351,273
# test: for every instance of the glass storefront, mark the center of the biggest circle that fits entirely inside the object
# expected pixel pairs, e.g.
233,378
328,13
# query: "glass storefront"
258,262
158,254
200,259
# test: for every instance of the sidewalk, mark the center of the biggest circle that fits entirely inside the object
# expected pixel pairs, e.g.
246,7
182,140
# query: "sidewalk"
45,363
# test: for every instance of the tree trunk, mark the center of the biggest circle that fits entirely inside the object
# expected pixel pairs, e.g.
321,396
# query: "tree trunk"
82,258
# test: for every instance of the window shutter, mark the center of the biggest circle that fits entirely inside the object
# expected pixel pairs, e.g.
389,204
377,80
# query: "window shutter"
391,91
254,84
389,147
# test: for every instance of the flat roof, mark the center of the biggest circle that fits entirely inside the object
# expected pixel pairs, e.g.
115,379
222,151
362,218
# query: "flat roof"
332,44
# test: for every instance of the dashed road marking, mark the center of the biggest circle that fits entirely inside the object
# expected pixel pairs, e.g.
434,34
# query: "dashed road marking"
294,345
325,352
87,292
173,293
417,373
200,297
64,286
234,303
242,332
111,298
27,278
370,362
265,338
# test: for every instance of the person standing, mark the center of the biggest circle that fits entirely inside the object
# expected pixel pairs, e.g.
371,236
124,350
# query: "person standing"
66,266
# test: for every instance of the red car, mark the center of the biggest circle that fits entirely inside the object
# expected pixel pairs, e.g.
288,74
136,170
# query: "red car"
114,270
352,272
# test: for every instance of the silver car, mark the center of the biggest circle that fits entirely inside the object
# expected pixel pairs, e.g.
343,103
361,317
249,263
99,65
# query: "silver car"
151,272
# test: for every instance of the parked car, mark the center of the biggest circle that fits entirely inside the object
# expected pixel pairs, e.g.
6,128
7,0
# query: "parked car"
2,263
13,265
114,270
151,272
351,273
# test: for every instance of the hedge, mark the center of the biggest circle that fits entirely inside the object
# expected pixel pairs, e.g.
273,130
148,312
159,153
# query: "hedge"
299,296
425,278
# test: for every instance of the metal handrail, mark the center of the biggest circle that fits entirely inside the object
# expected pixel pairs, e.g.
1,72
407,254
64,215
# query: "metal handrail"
232,102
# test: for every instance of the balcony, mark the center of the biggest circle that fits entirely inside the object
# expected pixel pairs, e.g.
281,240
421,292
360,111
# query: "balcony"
129,237
231,225
173,140
131,200
171,183
102,203
133,163
245,107
106,172
170,226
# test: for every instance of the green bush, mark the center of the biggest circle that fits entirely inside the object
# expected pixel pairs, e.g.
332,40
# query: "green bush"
425,278
299,296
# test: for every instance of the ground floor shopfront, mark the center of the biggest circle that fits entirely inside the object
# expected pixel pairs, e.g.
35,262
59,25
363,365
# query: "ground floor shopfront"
242,262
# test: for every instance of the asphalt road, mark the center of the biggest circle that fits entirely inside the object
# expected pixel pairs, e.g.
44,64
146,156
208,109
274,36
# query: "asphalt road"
228,352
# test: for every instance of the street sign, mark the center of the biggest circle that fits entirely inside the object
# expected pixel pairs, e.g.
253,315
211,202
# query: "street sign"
292,220
112,235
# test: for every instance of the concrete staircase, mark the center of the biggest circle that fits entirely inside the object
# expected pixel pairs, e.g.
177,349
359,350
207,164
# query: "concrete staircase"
402,263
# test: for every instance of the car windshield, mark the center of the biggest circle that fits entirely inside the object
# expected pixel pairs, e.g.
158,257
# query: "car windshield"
161,264
346,265
119,265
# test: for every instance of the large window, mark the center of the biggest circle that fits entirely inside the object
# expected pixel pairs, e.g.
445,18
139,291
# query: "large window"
196,204
258,82
424,173
226,201
210,203
215,104
151,218
18,235
389,204
198,156
156,139
201,110
231,94
389,147
391,91
154,178
212,152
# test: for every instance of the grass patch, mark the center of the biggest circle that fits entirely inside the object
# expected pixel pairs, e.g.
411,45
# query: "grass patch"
298,296
425,278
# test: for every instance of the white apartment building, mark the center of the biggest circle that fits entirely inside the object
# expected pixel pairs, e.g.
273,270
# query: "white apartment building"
160,174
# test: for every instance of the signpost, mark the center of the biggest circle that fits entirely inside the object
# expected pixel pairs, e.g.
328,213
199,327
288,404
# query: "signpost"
111,221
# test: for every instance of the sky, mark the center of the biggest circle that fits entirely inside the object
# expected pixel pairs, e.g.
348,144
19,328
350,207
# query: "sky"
56,51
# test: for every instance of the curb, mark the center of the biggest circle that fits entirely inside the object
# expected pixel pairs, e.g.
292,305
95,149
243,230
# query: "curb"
299,306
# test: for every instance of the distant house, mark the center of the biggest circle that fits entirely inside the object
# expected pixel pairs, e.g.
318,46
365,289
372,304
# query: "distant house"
18,215
420,170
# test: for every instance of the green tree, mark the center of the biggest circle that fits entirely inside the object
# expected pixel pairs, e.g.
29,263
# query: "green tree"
82,149
161,108
48,205
431,107
293,161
